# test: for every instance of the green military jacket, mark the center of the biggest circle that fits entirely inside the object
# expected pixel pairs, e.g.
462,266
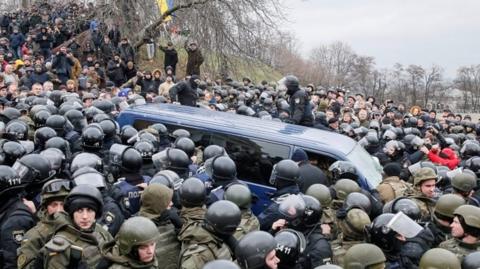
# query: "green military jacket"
192,216
340,246
249,223
426,205
199,247
70,245
459,248
29,255
168,246
110,252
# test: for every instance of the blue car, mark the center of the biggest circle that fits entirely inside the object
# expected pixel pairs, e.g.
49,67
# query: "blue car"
256,145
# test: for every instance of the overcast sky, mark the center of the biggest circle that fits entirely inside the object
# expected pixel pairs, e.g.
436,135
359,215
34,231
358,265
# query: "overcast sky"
424,32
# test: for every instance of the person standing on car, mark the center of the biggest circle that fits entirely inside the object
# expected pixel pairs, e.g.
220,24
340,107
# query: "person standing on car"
300,107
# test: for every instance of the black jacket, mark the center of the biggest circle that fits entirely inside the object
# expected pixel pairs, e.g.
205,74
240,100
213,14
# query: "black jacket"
171,57
300,108
184,93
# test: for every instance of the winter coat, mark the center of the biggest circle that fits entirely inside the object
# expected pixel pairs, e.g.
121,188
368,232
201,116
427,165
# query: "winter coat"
446,157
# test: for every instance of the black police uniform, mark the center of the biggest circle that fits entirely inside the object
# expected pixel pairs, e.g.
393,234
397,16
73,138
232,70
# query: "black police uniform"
15,220
300,108
318,251
271,213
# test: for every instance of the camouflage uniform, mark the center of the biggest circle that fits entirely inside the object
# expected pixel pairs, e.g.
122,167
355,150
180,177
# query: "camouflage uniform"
71,246
199,246
155,200
391,188
248,224
110,251
37,237
459,248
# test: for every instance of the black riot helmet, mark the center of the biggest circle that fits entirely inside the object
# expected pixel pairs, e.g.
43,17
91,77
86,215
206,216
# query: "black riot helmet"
12,151
471,261
56,159
343,169
313,211
239,194
470,150
379,234
405,205
161,129
40,118
245,110
192,193
84,196
223,169
86,159
92,137
91,112
131,161
10,113
33,168
167,178
16,130
358,200
172,159
180,133
89,176
186,144
10,182
109,127
127,133
57,123
104,105
291,82
213,151
290,246
474,165
146,149
292,208
223,217
253,248
59,143
77,119
42,135
284,171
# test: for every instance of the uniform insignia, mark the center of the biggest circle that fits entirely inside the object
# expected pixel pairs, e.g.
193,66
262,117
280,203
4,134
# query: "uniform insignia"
110,217
18,236
22,259
297,100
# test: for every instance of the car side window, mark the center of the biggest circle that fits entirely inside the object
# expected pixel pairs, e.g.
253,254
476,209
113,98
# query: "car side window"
254,158
321,161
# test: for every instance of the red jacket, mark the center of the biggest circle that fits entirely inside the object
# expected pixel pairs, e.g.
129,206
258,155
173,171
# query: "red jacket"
448,159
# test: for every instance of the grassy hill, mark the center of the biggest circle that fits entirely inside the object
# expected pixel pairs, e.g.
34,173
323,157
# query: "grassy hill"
257,71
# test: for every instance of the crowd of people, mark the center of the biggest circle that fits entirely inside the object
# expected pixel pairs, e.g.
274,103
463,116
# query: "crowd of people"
78,191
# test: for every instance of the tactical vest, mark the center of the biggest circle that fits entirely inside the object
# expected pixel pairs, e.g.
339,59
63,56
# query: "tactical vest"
400,188
248,224
168,247
459,248
340,248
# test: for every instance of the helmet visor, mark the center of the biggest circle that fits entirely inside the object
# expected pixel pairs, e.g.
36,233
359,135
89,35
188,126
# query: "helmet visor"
160,160
23,171
93,179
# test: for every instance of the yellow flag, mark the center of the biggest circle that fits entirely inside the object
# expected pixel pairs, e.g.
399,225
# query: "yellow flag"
163,6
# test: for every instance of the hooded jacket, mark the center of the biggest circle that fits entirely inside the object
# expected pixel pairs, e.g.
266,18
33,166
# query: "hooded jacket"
112,255
446,157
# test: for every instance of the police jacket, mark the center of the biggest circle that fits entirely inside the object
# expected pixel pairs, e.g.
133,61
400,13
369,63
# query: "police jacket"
300,108
184,93
271,213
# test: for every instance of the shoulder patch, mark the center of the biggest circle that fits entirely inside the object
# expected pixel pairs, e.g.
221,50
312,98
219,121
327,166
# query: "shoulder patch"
297,100
18,236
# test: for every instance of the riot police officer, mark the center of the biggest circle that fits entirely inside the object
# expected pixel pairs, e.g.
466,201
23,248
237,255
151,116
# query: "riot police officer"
300,107
223,174
212,240
284,177
172,159
127,162
16,215
134,246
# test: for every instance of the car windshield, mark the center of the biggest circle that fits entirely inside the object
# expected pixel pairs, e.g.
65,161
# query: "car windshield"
366,164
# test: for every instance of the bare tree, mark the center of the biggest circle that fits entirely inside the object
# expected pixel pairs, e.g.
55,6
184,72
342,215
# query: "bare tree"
415,73
431,79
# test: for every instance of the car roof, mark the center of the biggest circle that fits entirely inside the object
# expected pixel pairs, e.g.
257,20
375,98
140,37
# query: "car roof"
244,126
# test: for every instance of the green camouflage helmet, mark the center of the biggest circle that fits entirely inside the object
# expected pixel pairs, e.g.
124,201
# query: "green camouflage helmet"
344,187
240,195
55,189
423,174
471,215
357,220
362,256
464,182
321,193
135,231
439,258
447,204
